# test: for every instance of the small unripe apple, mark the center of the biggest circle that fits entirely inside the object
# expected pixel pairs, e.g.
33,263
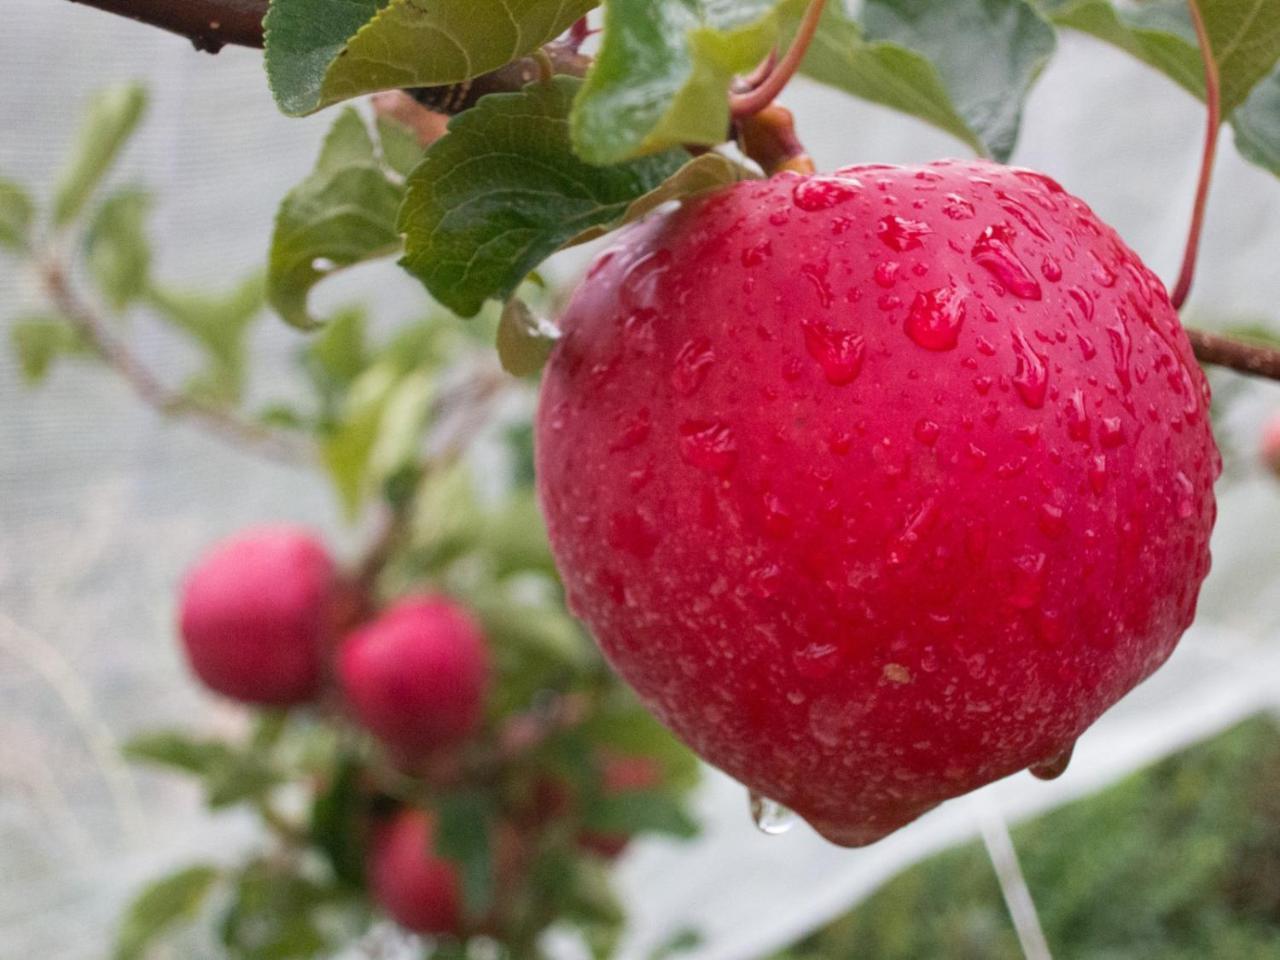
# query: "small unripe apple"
1269,450
416,676
416,887
254,615
877,486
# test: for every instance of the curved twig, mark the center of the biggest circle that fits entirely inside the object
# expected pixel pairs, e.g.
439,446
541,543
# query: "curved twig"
1213,101
756,99
151,390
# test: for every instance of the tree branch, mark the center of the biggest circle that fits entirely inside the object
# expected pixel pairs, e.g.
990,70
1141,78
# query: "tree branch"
151,390
208,24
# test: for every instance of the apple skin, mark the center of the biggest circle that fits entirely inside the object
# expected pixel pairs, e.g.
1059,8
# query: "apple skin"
417,675
417,889
877,486
254,615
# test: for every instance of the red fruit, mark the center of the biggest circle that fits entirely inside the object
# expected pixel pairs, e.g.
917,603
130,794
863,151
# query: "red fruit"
621,774
877,486
416,676
417,888
254,615
1270,448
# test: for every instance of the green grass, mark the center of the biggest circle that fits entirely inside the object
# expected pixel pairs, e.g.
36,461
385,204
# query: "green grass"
1180,861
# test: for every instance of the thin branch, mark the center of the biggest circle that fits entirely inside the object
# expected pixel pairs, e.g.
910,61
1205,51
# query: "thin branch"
1213,102
755,100
151,390
209,24
564,59
1239,355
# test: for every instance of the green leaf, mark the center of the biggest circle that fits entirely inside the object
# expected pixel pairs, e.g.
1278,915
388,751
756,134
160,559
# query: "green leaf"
117,251
219,325
881,72
662,75
628,729
321,51
639,811
344,213
1244,36
335,356
401,150
987,52
110,120
230,776
463,833
701,174
40,339
1257,124
399,437
162,906
524,339
274,915
339,822
502,190
16,213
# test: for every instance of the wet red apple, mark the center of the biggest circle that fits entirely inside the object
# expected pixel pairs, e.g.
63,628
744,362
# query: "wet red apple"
881,485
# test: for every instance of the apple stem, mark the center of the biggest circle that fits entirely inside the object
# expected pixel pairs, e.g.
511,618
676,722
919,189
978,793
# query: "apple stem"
751,102
769,138
1213,101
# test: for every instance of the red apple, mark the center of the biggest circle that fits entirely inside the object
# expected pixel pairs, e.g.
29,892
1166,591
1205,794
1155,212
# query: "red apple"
416,676
1269,451
877,486
254,615
417,888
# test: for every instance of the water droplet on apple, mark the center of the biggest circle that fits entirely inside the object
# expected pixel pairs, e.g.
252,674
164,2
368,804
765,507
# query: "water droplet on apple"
900,234
708,445
823,193
957,207
935,318
838,352
993,250
1031,376
691,365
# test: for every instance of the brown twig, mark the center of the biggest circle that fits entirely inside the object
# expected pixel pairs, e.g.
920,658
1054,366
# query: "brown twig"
1239,355
151,390
209,24
563,58
1213,102
760,96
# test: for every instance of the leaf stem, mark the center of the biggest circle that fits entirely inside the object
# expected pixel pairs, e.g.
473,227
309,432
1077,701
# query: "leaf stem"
115,353
753,101
1213,102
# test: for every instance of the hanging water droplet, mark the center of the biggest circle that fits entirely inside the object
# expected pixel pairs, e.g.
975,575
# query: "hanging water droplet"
768,815
1053,767
993,250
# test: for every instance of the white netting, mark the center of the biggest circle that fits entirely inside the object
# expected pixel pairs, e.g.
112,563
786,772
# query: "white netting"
101,505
